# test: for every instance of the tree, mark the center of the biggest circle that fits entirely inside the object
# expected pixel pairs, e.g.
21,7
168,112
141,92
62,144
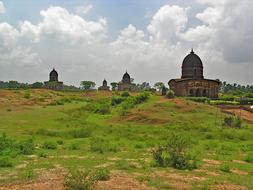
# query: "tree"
114,85
37,85
88,85
159,86
144,86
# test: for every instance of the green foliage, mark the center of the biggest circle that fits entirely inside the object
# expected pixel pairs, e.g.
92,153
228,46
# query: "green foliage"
101,175
37,85
125,94
225,168
6,144
199,99
5,162
27,95
103,109
80,133
170,94
42,154
249,158
117,100
114,85
79,180
88,85
223,102
175,153
159,85
99,145
27,147
230,121
49,145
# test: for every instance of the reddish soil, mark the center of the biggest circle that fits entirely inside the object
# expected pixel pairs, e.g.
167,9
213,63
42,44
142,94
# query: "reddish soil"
228,186
245,115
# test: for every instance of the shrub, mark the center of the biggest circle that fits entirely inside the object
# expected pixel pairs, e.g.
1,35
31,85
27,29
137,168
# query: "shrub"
142,97
175,153
249,158
117,100
101,175
42,155
27,95
79,180
98,145
5,162
230,121
5,144
158,156
103,109
199,99
125,94
80,133
225,168
170,94
49,145
27,147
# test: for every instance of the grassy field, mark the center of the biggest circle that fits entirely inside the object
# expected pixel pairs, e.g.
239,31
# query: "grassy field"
72,130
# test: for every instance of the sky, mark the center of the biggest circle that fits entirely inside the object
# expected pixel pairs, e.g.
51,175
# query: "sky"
102,39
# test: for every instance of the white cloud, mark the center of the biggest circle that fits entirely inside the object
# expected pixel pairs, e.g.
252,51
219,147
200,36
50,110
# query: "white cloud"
2,8
8,35
83,10
59,24
168,22
80,48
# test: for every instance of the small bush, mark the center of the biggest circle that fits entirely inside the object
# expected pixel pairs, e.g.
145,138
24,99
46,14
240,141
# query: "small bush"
27,95
101,175
42,155
175,153
103,109
79,180
80,133
142,97
170,94
49,145
117,100
27,147
60,142
249,158
234,122
99,145
225,168
5,162
199,99
125,94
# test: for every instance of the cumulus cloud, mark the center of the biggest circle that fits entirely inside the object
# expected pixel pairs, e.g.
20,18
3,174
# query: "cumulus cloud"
58,23
82,49
2,8
167,23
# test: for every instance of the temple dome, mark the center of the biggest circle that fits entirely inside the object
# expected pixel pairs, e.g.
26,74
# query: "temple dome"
126,78
53,76
192,66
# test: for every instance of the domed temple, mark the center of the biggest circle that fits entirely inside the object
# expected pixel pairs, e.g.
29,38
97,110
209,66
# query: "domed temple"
126,84
104,86
53,82
192,81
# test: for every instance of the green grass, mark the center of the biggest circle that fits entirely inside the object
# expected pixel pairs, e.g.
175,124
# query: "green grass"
71,133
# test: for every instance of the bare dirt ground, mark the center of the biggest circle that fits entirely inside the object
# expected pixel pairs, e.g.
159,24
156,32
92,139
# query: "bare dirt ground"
54,180
245,115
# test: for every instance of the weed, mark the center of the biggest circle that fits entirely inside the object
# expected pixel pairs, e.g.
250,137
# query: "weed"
49,145
225,168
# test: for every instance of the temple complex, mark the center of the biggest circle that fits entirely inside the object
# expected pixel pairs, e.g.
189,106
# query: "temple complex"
126,84
53,82
104,86
192,81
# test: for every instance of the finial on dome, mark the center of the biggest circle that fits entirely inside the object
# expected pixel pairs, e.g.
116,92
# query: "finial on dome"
192,51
